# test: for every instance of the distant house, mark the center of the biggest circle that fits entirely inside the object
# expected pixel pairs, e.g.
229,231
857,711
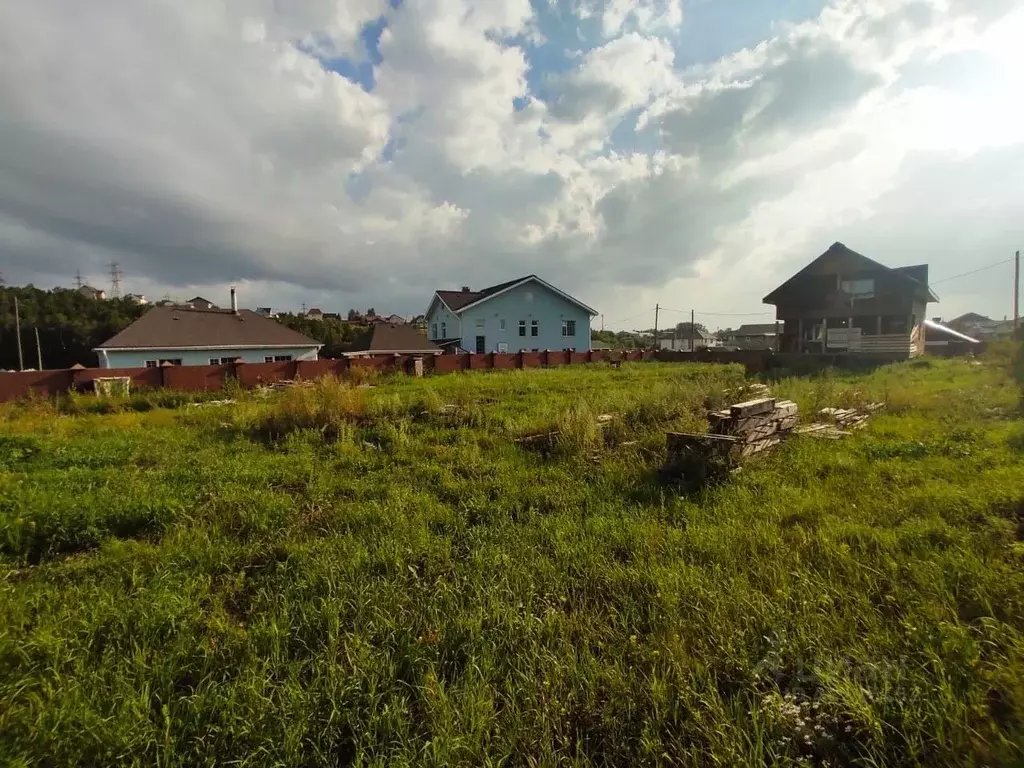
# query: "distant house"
394,320
383,338
522,314
753,336
265,312
845,302
136,298
313,313
200,303
944,338
92,293
975,325
190,336
680,342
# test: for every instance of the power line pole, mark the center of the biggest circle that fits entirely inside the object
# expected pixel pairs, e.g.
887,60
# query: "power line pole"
602,323
693,331
1016,291
115,280
17,332
657,308
39,350
78,279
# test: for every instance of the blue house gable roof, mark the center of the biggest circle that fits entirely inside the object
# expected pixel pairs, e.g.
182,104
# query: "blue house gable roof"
459,301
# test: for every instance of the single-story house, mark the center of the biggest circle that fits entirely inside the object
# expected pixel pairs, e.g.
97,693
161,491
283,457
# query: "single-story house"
92,293
199,302
386,339
314,313
680,341
191,336
525,314
943,338
136,298
845,302
753,336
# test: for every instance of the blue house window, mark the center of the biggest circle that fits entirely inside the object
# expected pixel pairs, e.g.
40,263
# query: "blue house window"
433,331
444,333
534,329
568,327
522,327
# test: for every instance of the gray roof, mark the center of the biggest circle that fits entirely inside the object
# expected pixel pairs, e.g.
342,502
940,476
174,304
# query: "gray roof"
183,327
385,337
755,329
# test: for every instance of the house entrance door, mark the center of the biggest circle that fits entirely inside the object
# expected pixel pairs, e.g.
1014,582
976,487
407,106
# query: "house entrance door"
481,344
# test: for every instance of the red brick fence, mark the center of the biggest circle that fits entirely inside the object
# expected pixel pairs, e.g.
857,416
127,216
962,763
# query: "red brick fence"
212,377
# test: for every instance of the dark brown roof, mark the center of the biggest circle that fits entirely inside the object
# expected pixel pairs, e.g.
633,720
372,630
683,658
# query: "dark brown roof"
384,337
916,276
456,300
173,327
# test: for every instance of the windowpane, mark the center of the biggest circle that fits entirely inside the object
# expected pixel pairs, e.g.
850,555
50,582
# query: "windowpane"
151,363
522,327
859,289
268,359
501,323
534,329
282,358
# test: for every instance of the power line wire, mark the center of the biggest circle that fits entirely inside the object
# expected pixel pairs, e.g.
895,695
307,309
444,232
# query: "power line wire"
972,272
718,314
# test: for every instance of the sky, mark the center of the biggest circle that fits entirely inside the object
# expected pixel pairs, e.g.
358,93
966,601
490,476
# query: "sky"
358,153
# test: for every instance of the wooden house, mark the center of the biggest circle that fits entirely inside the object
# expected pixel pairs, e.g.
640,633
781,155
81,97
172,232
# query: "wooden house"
845,302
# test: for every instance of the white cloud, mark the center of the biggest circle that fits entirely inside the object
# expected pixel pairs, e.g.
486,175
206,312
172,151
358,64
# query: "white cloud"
205,142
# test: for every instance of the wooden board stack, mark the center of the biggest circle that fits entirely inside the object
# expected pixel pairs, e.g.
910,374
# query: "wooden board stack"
837,423
760,424
736,432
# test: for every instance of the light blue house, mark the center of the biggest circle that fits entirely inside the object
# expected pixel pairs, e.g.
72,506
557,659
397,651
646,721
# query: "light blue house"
527,314
190,336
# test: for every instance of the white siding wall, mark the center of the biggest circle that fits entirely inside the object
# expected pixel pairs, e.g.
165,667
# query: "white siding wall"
138,358
529,303
437,316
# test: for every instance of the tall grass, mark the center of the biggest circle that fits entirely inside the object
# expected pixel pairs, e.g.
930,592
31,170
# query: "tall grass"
420,589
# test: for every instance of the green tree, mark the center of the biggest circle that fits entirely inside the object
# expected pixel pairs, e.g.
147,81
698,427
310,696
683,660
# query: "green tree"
70,325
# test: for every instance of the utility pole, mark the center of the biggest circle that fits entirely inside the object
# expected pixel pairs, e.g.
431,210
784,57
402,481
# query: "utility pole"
602,323
17,332
39,350
78,279
657,308
693,332
1016,291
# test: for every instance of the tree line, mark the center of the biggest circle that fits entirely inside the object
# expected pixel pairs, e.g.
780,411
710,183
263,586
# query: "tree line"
70,325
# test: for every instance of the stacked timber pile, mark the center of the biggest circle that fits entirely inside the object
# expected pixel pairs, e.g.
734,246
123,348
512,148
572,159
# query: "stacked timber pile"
736,432
837,423
760,424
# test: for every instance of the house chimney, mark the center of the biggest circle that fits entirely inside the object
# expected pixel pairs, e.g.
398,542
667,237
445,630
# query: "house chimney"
234,300
465,289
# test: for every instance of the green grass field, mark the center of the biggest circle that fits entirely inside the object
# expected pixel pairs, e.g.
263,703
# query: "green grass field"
383,576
